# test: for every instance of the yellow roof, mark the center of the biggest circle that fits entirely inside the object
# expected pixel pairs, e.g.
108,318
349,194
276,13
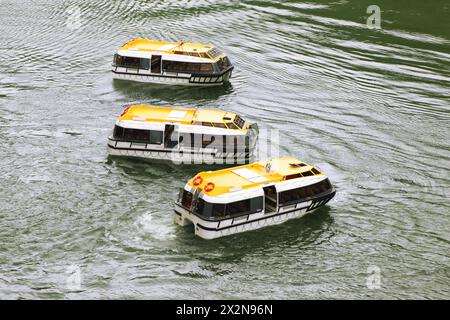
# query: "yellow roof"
176,115
143,44
252,175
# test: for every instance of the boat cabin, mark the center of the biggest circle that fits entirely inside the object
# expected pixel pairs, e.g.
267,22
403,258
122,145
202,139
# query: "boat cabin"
146,60
266,191
168,132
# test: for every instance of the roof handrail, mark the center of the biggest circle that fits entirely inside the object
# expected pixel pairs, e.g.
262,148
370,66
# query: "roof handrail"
179,45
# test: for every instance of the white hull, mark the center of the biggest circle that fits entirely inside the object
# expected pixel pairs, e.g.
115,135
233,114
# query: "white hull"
178,157
183,80
216,229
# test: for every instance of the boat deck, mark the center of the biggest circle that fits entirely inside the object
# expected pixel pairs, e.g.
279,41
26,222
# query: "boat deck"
187,48
175,115
254,174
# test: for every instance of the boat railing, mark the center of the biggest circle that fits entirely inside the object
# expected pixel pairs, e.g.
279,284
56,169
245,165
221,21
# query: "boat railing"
196,77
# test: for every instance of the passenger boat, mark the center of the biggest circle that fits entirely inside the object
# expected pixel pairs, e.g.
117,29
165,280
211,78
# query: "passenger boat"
179,63
181,135
252,196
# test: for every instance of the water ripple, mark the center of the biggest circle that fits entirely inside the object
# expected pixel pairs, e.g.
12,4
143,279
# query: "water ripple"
370,107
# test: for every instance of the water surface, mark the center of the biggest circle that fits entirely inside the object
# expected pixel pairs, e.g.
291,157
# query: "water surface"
370,107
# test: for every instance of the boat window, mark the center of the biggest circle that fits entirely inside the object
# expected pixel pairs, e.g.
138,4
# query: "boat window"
256,204
298,165
178,66
192,67
239,121
181,52
289,196
156,137
156,63
307,173
140,135
270,192
220,125
118,132
204,55
144,63
136,135
309,191
127,62
200,206
231,125
208,209
207,67
186,199
298,194
169,65
316,188
293,176
214,52
184,53
325,185
207,124
218,210
270,198
302,193
238,207
315,171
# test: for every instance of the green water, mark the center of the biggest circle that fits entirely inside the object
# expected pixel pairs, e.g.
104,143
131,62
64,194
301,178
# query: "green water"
370,107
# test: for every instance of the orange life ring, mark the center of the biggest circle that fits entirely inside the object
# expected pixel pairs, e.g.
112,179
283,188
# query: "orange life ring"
197,180
209,187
